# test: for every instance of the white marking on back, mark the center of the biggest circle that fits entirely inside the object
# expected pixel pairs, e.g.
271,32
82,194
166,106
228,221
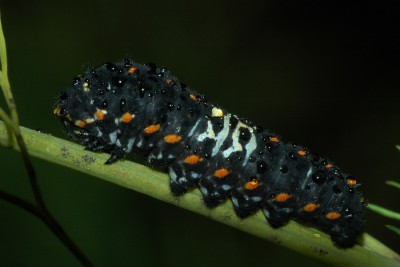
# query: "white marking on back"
118,143
209,133
113,137
194,128
226,187
130,144
203,190
99,133
250,147
222,135
172,174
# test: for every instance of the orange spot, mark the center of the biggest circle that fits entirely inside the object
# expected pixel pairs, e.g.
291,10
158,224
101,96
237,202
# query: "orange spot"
127,117
57,111
80,124
274,139
351,182
221,173
172,138
152,128
192,159
99,115
132,69
282,197
253,184
329,165
333,215
310,207
168,81
195,98
301,152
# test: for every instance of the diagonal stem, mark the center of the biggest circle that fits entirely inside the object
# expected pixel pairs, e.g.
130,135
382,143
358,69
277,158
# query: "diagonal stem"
49,220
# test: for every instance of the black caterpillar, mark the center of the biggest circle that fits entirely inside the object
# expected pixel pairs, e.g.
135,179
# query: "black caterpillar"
128,107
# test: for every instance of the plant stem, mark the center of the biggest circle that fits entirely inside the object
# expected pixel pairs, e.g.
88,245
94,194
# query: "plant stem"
49,220
305,240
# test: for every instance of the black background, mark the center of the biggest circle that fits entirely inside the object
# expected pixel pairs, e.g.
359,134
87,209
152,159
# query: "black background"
323,74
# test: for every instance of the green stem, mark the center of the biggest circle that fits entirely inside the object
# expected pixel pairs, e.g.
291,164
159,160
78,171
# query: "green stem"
4,81
305,240
54,226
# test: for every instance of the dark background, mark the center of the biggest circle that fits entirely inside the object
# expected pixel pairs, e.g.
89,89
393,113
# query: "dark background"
324,75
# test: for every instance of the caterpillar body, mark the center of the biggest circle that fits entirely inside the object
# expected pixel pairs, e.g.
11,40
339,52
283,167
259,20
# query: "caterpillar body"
127,107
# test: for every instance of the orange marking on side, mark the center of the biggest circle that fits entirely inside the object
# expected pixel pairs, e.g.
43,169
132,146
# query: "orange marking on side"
192,159
253,184
282,197
351,182
333,215
221,173
193,97
172,138
132,70
310,207
274,139
127,117
152,128
329,165
301,152
80,124
99,115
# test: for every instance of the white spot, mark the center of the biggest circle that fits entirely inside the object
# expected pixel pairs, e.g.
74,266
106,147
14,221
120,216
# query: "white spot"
91,101
172,174
209,133
109,86
130,145
195,175
85,87
99,133
118,143
204,190
113,137
309,171
235,201
256,198
226,187
193,128
89,120
182,180
140,143
116,121
221,135
216,112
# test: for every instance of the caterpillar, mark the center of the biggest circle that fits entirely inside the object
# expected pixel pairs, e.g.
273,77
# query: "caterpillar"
126,107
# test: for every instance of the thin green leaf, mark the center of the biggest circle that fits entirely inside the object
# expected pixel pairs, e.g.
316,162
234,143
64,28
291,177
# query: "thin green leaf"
394,229
384,212
394,184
